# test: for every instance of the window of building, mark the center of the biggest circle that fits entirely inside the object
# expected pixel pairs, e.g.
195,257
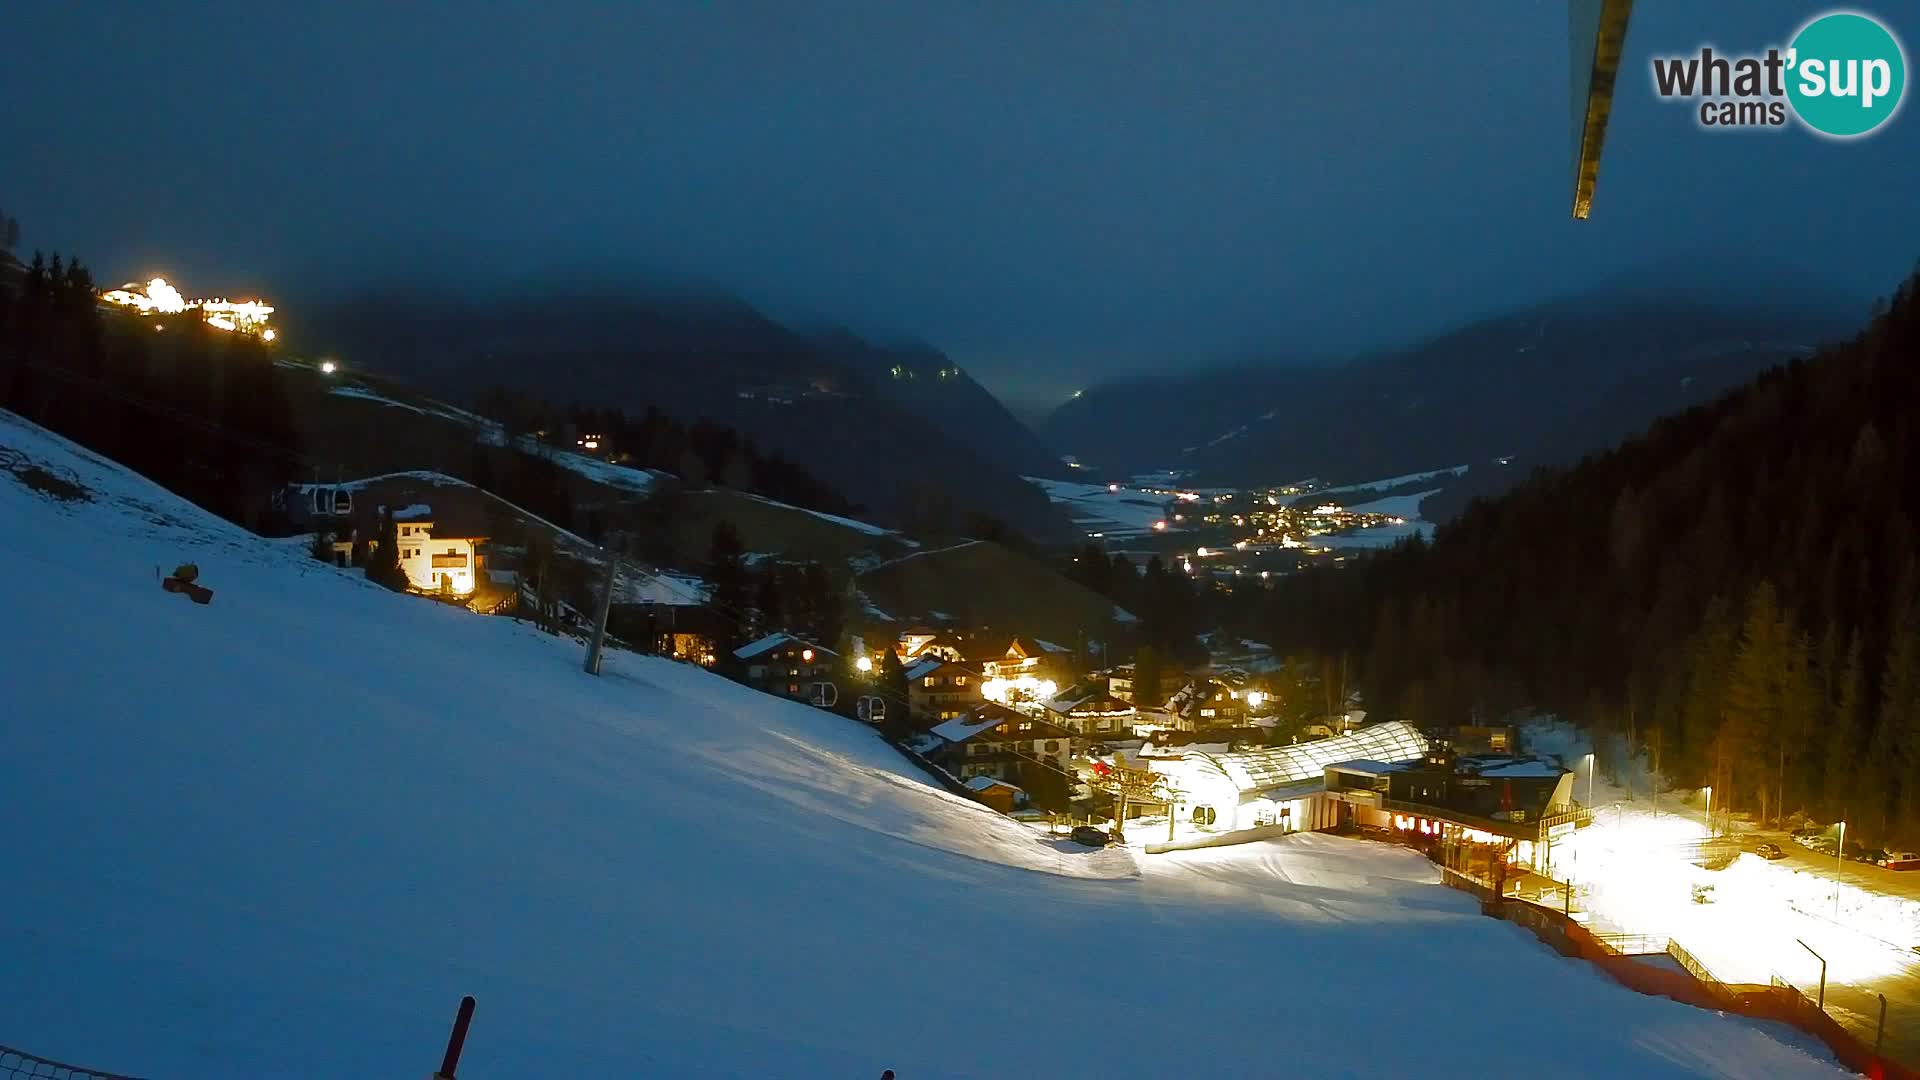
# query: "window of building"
1026,725
927,682
1053,746
959,680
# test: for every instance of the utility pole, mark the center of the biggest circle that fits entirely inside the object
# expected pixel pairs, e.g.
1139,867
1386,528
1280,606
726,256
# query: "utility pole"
600,620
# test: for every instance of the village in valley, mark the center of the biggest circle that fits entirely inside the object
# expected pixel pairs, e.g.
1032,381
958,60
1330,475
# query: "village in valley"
1095,740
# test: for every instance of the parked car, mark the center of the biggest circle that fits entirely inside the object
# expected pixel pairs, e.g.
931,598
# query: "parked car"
1901,860
1769,851
1090,836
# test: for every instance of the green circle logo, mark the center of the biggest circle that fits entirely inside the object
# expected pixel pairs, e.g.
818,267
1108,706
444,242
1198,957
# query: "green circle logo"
1846,74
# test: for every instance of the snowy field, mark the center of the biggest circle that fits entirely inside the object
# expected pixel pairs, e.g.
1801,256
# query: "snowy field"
1116,515
1391,482
282,834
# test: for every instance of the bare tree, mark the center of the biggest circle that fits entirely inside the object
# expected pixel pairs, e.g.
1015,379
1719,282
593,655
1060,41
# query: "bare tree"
1127,784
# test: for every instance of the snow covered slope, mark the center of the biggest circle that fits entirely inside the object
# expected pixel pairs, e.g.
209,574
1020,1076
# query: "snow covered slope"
282,834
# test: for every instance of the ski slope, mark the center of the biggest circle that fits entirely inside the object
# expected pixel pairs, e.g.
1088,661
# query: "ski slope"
280,835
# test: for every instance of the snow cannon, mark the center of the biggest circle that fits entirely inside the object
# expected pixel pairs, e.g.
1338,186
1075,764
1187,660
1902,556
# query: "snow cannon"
185,579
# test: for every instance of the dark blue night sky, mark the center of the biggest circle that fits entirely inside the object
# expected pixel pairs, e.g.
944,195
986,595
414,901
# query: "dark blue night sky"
1052,192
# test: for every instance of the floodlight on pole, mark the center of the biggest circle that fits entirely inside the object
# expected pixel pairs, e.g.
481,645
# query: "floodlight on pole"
1592,767
1709,809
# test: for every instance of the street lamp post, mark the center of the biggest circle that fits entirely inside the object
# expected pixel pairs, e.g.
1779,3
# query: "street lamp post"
1709,810
1839,855
1591,769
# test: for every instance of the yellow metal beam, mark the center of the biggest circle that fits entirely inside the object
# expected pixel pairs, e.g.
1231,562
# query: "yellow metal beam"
1599,63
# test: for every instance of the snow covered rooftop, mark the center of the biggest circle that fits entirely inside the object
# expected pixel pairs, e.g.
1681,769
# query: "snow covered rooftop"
414,513
927,665
1523,769
774,641
985,718
982,783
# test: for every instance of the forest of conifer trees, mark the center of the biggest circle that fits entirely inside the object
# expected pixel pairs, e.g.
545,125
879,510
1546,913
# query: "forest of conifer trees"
1735,591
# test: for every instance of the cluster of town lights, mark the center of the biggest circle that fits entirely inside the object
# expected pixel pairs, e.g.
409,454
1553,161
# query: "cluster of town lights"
159,298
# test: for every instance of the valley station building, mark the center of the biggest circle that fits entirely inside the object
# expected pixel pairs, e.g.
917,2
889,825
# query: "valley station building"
1385,777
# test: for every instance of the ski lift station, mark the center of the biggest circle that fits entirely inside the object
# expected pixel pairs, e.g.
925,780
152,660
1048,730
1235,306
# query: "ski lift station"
1282,786
1386,777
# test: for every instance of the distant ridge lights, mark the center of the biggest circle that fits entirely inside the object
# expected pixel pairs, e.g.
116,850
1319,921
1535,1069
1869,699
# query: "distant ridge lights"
159,297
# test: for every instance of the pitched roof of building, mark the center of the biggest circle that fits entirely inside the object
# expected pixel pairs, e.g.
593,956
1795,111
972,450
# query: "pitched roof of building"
414,513
774,641
985,718
921,668
1081,695
982,783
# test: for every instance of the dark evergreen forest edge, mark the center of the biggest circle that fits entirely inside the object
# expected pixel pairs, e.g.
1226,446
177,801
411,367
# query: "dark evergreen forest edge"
1735,592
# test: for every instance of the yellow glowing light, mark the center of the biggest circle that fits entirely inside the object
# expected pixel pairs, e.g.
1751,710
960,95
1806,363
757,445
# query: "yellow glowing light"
864,663
1159,526
268,335
1022,687
807,655
1254,698
245,316
328,367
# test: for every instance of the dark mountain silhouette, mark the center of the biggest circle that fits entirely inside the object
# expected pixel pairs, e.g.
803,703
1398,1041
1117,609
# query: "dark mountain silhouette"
1544,384
901,430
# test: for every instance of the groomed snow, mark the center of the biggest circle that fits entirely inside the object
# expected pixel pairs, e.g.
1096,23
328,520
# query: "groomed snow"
1379,536
283,833
1395,481
1116,514
851,523
1401,506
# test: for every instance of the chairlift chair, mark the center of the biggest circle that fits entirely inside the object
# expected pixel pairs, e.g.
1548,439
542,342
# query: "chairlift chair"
871,709
823,695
